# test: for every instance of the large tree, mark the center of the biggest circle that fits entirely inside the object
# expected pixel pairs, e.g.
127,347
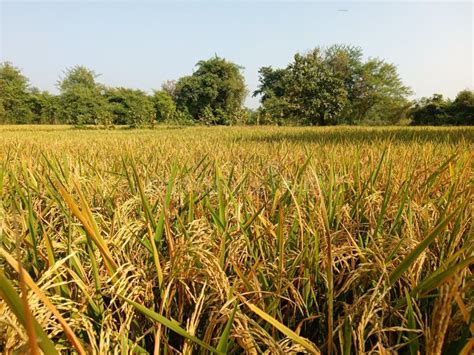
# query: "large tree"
14,95
82,99
214,93
313,93
375,91
273,96
381,94
334,85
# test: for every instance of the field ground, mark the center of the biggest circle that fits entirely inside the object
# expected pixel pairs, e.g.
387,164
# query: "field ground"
237,239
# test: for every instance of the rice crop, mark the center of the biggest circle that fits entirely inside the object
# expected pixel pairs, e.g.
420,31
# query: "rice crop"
334,240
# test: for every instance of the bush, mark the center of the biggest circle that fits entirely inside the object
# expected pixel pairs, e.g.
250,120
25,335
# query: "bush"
438,111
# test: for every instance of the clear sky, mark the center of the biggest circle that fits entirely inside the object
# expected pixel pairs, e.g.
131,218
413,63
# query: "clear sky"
140,44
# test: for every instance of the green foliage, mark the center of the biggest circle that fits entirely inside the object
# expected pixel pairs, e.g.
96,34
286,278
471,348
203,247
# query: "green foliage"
272,89
438,111
84,106
2,111
381,95
13,95
333,86
44,107
463,108
78,77
275,111
272,83
345,63
165,108
374,89
242,116
252,116
433,110
82,100
213,93
314,94
130,107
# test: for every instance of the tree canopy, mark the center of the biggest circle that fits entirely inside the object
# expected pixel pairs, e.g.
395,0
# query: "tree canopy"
82,99
130,107
437,110
14,95
333,85
213,93
313,93
164,105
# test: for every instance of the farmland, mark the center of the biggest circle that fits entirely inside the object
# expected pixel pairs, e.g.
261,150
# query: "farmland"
236,239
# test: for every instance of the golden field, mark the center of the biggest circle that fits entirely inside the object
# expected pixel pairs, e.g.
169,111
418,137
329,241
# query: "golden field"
236,240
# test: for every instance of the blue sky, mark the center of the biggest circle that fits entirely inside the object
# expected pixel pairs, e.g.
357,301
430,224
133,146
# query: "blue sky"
140,44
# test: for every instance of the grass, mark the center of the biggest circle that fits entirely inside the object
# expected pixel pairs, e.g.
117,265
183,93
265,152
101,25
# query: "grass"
236,239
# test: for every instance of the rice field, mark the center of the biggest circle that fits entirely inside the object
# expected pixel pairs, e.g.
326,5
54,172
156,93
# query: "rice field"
337,240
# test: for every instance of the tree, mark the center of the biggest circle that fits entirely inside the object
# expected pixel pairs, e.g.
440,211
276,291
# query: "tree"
335,83
272,83
78,77
431,111
462,108
130,107
345,63
313,93
307,90
165,108
213,93
375,91
44,107
169,86
83,100
275,110
438,111
382,96
273,96
14,95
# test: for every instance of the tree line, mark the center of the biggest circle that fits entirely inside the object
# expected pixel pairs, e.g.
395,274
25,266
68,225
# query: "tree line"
437,110
324,86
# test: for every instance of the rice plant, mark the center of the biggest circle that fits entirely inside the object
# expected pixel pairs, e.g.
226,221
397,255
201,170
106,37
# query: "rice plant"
236,240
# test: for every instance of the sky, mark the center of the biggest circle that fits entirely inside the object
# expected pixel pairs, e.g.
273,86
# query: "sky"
141,44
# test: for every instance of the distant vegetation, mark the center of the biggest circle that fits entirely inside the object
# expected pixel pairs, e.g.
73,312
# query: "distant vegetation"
321,87
333,86
438,111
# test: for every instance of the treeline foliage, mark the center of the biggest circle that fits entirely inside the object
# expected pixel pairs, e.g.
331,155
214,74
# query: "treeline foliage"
439,111
334,85
15,99
213,94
